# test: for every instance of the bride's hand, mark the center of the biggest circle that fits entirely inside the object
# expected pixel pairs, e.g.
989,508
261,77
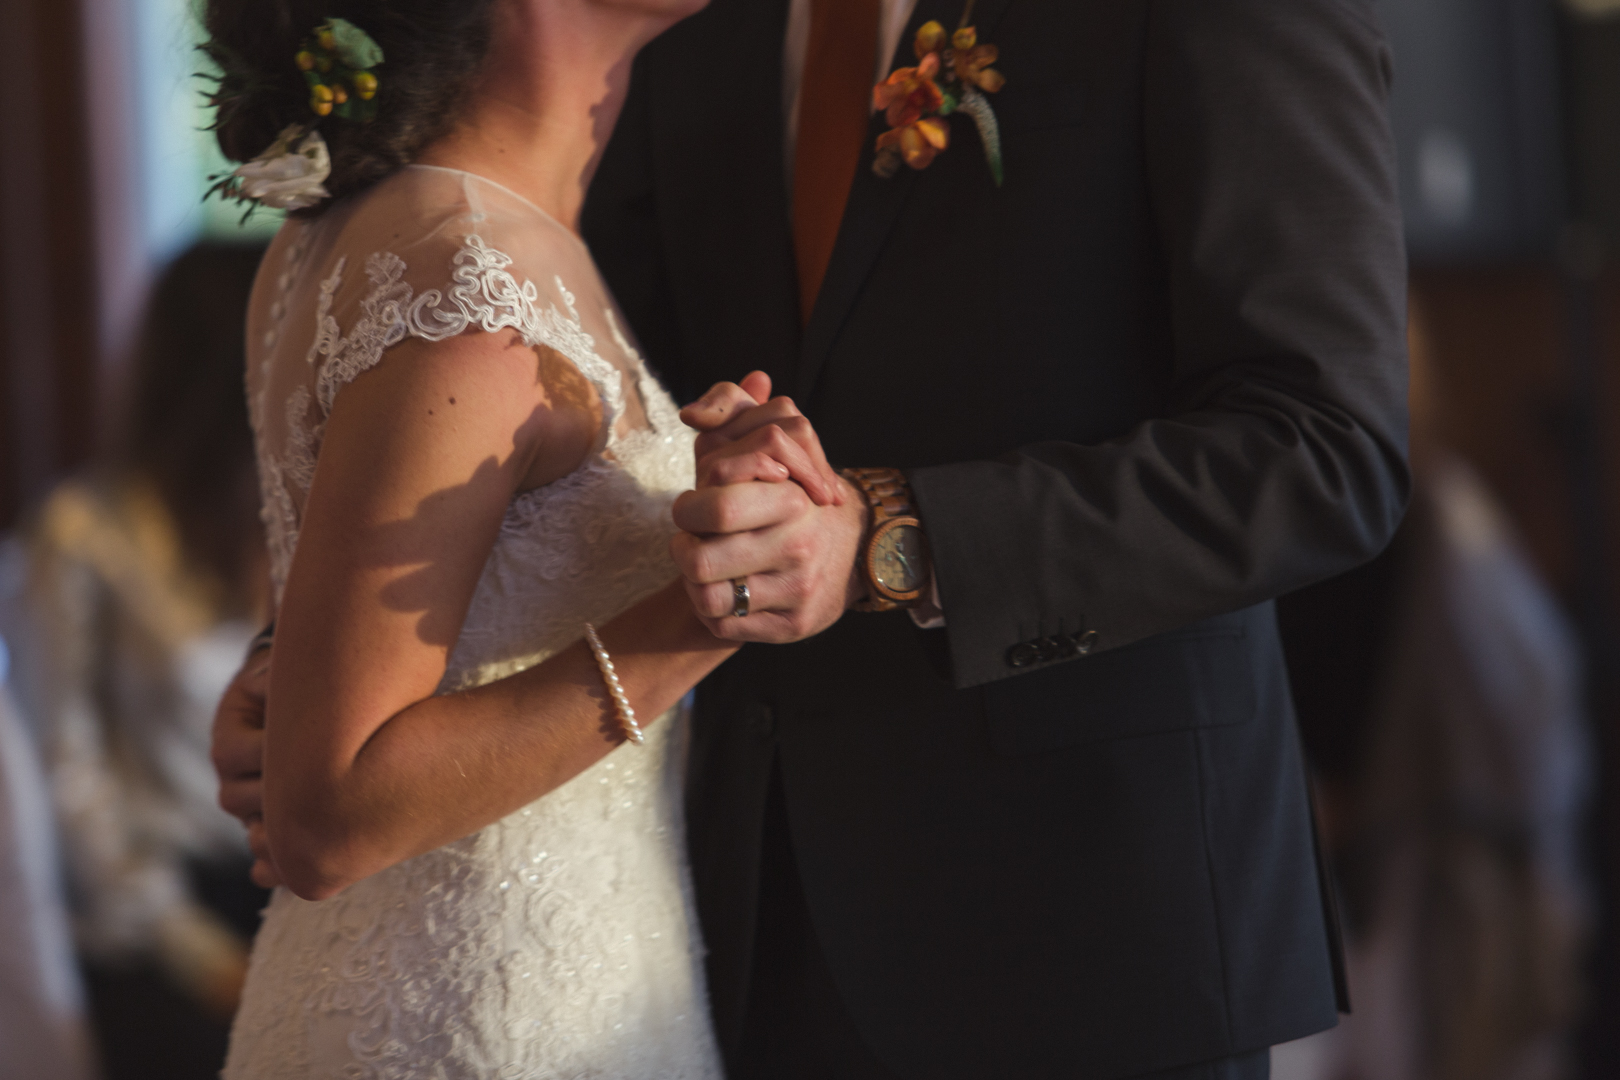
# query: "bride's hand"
747,435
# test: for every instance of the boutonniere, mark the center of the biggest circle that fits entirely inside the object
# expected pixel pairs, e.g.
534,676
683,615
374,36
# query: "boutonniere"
952,75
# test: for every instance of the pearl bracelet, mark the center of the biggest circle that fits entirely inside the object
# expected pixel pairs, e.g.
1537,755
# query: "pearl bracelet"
627,715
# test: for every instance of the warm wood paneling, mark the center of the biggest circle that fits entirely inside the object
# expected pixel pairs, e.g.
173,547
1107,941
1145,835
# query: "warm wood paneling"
1489,381
48,291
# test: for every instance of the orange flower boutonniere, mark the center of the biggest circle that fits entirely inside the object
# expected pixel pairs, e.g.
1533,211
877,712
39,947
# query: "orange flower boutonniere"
916,105
910,100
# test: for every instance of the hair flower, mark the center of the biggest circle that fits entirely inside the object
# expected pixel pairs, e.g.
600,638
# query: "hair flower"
285,176
916,105
337,63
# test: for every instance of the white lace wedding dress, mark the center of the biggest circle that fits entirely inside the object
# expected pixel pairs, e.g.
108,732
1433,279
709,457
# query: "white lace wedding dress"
560,942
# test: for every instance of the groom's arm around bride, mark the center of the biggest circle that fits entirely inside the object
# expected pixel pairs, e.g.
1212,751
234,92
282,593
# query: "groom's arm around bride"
1151,382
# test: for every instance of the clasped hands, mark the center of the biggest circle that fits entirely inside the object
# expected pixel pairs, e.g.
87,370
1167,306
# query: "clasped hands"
794,543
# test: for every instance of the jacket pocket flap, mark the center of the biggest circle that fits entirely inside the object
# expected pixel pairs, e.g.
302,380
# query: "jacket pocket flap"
1174,682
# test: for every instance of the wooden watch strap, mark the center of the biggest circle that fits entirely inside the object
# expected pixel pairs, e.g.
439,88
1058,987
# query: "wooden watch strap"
888,497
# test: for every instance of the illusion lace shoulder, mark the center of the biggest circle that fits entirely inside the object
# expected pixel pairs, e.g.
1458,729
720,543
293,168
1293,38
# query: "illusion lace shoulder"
562,940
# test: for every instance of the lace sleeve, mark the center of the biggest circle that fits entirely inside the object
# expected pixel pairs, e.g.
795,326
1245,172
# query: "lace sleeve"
429,254
484,294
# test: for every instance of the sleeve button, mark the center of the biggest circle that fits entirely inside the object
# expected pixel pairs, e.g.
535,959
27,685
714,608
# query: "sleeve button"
1023,655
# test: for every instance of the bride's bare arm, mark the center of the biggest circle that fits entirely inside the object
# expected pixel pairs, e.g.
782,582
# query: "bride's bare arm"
364,767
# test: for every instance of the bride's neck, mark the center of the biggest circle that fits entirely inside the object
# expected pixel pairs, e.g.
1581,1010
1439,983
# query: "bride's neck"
545,103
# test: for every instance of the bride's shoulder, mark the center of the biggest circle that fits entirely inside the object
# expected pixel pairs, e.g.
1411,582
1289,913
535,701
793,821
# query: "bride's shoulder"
433,253
431,217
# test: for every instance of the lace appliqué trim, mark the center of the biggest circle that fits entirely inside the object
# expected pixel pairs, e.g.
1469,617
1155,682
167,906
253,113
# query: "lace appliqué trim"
485,296
277,509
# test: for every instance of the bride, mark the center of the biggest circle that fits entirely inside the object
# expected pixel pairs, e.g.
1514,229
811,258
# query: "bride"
464,465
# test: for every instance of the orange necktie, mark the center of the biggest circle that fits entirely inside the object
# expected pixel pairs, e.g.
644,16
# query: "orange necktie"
835,105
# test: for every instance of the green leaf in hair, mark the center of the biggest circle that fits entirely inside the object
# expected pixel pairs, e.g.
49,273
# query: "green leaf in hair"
354,46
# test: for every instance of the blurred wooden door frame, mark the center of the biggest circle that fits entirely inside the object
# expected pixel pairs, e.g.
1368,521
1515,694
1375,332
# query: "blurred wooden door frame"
48,330
72,271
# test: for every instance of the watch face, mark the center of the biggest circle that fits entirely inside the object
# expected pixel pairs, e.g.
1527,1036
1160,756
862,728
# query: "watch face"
898,559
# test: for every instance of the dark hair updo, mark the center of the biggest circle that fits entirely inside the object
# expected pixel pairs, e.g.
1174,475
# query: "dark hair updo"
432,51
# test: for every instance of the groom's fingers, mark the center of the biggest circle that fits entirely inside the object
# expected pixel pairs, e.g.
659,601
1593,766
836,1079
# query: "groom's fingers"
737,508
717,560
766,593
729,413
773,616
752,458
779,413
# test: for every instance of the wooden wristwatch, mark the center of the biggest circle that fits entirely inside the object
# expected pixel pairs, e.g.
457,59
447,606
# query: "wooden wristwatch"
893,560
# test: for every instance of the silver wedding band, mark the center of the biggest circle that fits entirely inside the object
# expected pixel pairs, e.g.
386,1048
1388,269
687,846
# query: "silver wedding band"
741,598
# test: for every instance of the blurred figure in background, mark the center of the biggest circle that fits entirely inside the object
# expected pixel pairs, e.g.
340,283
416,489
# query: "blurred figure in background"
146,582
1438,690
43,1035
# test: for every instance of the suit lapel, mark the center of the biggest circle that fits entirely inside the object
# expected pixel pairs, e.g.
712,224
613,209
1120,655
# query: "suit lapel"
874,206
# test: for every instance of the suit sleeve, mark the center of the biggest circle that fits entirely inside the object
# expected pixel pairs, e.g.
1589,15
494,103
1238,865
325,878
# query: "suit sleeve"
1281,459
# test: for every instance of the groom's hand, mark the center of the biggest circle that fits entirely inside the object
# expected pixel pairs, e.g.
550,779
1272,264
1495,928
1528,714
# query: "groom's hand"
730,412
797,557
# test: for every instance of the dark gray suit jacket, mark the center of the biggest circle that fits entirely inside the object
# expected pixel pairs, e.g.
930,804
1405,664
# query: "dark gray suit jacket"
1151,383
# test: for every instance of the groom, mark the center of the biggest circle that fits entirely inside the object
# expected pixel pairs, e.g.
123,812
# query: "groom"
1152,381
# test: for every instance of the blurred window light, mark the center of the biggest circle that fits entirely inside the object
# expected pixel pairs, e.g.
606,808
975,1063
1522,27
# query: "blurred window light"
177,149
1446,176
1594,9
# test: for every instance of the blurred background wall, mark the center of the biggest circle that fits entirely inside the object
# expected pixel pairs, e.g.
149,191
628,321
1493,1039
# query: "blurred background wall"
1458,696
1507,115
105,162
135,574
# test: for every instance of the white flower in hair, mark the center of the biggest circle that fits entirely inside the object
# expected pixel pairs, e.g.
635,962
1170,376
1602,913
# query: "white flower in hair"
285,177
